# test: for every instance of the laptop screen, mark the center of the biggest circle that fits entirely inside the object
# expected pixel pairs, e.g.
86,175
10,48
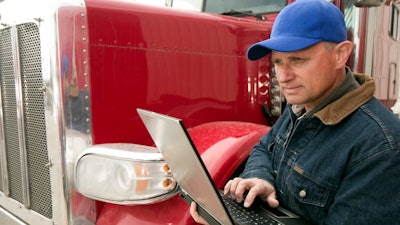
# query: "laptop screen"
172,139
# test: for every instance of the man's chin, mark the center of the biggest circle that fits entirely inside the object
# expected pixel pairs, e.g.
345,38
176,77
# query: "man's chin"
294,101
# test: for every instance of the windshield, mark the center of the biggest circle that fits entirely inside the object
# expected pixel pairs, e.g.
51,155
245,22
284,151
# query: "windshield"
253,6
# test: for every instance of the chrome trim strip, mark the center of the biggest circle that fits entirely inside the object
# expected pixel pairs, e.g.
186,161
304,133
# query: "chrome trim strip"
3,152
9,219
26,215
20,116
55,20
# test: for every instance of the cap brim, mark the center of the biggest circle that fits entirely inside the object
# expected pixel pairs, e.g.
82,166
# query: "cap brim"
279,44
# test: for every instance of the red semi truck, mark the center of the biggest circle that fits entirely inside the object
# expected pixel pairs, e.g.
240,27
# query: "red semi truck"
73,72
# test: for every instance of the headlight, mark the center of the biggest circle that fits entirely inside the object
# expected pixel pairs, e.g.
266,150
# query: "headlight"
124,174
276,95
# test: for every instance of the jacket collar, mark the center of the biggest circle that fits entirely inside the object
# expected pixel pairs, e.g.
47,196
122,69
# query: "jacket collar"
348,103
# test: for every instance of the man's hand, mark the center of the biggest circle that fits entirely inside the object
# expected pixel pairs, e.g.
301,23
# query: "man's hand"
255,187
195,215
236,189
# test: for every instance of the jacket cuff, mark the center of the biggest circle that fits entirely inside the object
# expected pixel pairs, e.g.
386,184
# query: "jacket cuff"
259,173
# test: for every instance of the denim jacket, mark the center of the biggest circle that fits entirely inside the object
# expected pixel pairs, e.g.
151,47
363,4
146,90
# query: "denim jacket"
339,166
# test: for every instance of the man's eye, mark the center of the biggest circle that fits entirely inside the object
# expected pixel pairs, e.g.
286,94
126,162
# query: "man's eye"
277,61
297,60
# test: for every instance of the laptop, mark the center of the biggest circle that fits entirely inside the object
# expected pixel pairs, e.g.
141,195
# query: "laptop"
172,139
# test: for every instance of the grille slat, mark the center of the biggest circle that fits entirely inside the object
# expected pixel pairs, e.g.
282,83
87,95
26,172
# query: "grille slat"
33,118
35,130
10,121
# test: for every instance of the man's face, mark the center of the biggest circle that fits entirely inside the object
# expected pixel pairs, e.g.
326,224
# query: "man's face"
307,76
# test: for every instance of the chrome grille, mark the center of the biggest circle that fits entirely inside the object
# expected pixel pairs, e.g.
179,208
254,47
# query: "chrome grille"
23,120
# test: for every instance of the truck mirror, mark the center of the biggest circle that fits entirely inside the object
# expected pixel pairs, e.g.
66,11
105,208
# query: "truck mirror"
367,3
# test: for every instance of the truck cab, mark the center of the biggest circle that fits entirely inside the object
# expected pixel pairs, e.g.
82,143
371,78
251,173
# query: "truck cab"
72,147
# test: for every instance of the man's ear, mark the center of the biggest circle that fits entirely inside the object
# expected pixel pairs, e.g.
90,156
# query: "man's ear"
343,52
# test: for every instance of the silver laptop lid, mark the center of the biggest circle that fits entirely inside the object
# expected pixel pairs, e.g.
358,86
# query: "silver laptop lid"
171,137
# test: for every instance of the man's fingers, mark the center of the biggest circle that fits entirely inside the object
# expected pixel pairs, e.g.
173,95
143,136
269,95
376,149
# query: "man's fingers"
243,186
231,188
268,194
255,187
195,215
249,198
272,201
234,187
227,187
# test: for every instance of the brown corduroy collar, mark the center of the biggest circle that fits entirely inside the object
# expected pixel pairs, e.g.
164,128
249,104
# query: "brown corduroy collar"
348,103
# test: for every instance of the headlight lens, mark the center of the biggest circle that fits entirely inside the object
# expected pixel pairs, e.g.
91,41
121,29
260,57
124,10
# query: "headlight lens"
276,95
124,174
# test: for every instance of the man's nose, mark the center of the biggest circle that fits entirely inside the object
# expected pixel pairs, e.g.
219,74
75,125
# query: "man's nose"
283,73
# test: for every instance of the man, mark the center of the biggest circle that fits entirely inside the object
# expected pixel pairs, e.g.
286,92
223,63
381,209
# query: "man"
333,157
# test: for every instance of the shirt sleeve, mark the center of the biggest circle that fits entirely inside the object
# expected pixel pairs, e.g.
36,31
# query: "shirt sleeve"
259,164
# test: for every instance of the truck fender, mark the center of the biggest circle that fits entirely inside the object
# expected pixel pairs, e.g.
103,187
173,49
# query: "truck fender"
223,146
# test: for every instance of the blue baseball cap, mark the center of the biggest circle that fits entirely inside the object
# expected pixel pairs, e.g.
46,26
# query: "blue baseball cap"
300,25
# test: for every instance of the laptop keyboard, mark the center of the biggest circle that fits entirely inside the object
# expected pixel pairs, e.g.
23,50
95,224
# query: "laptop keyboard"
243,215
